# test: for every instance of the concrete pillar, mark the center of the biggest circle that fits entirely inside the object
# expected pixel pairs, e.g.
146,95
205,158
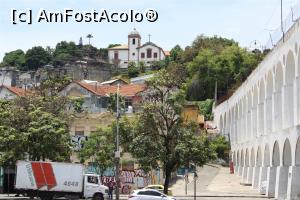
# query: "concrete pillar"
278,110
255,179
298,100
288,112
248,180
241,170
281,182
268,116
293,189
245,175
271,181
254,122
262,178
260,119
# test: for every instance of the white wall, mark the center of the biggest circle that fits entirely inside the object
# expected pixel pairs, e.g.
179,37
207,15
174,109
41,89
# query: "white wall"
6,94
133,52
123,56
160,54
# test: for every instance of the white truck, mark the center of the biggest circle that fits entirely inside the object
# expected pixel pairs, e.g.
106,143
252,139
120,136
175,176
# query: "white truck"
51,179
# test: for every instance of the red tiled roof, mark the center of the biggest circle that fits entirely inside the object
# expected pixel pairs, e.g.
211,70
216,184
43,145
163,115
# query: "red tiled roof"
167,53
125,90
17,91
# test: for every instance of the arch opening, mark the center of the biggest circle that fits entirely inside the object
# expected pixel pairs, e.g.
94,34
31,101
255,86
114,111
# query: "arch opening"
269,93
288,90
278,97
261,113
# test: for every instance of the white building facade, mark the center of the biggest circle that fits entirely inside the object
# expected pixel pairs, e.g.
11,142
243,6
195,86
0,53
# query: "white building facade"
262,119
135,52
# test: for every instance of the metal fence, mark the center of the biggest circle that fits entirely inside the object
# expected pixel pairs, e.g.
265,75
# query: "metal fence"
287,23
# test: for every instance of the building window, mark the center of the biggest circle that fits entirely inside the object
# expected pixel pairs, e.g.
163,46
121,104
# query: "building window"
149,53
155,55
116,55
128,102
79,131
102,102
142,55
133,41
133,54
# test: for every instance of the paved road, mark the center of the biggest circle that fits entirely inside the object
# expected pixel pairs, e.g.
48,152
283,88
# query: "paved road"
206,175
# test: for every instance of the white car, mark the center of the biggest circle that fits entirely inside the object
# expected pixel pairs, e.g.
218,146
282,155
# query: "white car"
148,194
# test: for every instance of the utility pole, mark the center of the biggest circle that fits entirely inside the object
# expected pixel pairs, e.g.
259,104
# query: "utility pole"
195,184
117,153
186,177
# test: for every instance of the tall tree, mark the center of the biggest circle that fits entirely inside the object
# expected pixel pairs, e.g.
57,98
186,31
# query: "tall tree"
89,36
160,137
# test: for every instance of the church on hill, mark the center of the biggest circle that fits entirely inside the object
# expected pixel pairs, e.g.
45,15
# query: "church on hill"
134,51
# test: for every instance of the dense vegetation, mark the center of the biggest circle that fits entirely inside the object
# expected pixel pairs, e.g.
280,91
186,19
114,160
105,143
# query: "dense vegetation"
64,52
211,60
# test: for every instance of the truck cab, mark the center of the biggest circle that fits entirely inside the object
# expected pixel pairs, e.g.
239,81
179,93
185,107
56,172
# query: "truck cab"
93,187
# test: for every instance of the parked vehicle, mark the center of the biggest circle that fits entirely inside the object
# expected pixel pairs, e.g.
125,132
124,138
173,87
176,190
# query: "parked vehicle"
149,194
51,179
160,188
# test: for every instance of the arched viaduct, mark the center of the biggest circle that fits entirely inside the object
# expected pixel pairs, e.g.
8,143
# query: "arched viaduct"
262,119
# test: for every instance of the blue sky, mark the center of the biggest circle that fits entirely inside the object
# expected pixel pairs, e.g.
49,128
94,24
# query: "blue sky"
179,22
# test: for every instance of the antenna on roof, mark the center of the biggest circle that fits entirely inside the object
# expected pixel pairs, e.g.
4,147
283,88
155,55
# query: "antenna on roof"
149,35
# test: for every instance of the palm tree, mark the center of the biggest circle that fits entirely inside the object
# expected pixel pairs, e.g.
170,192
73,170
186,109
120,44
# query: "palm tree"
89,36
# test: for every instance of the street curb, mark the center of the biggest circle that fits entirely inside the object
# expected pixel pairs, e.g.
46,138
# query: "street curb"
257,197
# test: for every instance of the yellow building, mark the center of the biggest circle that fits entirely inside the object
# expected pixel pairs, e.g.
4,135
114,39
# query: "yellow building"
190,113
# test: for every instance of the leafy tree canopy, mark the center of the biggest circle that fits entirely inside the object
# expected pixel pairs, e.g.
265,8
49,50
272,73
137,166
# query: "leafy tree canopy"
36,57
15,58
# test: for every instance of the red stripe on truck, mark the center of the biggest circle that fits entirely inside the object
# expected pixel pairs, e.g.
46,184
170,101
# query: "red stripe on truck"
43,174
49,175
38,174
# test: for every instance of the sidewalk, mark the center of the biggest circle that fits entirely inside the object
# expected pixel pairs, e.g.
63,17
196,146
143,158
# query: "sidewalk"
214,182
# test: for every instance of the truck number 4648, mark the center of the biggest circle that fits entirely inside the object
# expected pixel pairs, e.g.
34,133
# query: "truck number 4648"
71,183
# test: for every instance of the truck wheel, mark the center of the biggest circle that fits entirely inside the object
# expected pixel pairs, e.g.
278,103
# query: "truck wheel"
98,197
46,197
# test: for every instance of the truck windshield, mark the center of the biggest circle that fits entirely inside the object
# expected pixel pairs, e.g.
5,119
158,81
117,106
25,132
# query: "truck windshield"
93,179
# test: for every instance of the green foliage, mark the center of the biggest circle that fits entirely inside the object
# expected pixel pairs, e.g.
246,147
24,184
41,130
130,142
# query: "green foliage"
133,71
156,65
206,109
34,127
221,146
15,58
175,53
65,51
48,135
36,57
142,67
77,103
229,67
99,148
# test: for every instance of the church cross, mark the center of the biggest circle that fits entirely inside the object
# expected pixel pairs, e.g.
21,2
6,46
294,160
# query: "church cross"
149,37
